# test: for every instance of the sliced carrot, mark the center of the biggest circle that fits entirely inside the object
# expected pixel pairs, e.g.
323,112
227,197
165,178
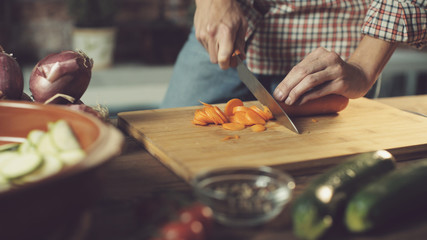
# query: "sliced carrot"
221,114
205,104
240,109
239,117
231,104
254,118
268,112
258,128
259,112
210,111
233,126
198,122
201,115
235,116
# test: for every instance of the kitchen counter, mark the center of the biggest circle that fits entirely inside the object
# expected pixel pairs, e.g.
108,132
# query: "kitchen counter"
137,192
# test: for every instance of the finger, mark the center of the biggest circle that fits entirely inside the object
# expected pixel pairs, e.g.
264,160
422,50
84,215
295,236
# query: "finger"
311,63
226,41
307,84
213,50
295,76
318,92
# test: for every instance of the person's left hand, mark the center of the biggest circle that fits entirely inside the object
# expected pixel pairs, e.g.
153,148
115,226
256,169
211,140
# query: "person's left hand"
322,73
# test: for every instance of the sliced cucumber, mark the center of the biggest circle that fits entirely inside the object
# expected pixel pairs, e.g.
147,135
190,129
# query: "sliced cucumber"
388,199
5,157
9,147
71,157
63,136
35,136
51,165
319,206
46,146
41,154
24,163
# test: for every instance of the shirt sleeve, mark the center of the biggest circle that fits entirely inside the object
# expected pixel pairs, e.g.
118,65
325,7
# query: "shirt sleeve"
398,21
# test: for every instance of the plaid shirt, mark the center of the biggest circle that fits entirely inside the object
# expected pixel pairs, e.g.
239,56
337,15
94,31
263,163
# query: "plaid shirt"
281,33
398,21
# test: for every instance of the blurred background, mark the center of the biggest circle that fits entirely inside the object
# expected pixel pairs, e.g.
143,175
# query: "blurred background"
136,42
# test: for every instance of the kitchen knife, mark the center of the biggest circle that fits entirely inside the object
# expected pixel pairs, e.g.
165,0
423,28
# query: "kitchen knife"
262,95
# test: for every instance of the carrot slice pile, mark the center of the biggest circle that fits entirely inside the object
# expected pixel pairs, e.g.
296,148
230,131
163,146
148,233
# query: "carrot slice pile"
235,116
231,104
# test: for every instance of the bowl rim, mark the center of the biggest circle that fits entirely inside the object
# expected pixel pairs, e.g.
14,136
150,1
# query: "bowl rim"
109,139
290,182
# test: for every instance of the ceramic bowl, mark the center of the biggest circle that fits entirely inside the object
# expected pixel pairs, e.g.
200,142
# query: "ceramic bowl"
35,209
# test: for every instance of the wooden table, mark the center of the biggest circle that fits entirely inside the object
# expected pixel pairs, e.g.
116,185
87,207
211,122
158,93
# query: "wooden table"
137,190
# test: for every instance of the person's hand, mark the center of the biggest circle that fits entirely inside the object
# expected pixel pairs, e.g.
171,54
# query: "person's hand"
321,73
220,27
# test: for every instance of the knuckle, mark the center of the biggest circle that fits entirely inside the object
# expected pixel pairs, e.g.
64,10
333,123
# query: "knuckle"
285,85
298,69
320,50
333,57
311,80
200,36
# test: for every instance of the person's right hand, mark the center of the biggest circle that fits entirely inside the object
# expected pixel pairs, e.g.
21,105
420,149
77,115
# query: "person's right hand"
220,27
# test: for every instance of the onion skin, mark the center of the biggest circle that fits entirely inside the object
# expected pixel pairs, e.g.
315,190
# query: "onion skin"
11,78
101,114
66,73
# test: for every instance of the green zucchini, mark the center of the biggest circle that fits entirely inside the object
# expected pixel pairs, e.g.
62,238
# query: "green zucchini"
387,199
321,204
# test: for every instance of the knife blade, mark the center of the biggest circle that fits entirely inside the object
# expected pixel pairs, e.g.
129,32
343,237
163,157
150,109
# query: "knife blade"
262,95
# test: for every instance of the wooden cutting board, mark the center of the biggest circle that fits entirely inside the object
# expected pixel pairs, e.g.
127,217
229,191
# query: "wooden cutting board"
187,149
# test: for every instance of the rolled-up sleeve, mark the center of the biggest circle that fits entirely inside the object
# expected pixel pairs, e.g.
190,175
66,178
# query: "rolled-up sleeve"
398,21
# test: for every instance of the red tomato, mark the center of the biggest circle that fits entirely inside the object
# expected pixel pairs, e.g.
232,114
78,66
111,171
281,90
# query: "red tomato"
198,212
183,231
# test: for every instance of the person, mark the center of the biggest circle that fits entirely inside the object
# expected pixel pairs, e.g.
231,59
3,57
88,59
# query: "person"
299,50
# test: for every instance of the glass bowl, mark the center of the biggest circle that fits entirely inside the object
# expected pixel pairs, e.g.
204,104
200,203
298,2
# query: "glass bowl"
245,196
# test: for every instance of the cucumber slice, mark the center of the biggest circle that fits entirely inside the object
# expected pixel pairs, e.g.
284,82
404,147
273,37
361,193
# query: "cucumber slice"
26,147
22,164
5,157
71,157
51,165
63,136
46,145
9,147
35,136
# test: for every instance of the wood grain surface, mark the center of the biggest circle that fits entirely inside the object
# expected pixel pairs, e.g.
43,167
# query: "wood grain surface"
365,125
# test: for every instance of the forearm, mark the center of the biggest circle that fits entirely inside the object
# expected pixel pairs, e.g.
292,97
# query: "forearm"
371,56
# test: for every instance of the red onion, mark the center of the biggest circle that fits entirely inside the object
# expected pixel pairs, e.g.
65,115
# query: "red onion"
61,78
11,79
